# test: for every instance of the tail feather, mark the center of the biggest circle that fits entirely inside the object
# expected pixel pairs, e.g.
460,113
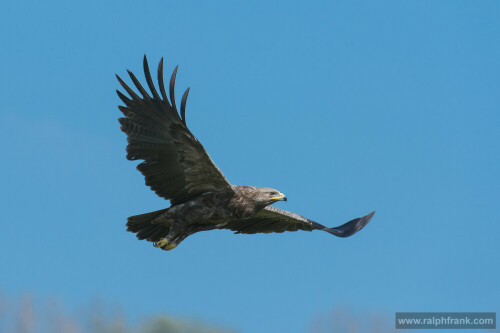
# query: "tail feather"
142,225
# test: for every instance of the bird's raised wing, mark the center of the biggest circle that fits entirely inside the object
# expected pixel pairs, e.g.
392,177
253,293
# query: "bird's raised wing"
272,219
176,165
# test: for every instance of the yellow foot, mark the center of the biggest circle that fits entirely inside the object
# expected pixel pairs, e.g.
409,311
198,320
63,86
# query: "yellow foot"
170,246
165,244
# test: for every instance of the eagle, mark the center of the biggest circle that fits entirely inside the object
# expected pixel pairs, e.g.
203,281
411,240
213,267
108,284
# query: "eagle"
179,169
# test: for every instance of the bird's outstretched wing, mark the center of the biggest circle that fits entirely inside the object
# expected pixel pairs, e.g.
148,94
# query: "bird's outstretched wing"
176,165
272,219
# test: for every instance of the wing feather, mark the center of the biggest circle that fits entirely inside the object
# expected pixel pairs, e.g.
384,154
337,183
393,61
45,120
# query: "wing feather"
272,219
176,166
172,87
160,81
183,105
149,80
138,85
127,88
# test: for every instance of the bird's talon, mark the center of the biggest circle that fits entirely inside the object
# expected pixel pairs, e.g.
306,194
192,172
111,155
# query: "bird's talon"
165,244
162,243
169,246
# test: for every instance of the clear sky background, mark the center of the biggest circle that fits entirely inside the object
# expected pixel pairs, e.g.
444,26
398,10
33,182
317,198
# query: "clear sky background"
346,107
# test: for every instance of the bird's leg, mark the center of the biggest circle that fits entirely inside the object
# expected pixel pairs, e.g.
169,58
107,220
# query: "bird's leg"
181,237
169,242
192,230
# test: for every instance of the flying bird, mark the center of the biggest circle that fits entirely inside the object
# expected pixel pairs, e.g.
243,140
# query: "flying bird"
178,168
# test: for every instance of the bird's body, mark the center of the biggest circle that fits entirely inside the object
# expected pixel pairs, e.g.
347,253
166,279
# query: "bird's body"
178,168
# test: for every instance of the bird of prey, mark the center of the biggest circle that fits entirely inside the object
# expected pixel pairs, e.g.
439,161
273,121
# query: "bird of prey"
178,168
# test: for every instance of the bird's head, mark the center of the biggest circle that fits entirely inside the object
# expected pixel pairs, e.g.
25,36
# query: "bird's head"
266,196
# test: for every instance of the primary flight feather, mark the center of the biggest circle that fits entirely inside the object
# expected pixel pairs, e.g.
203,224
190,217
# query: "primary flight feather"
178,168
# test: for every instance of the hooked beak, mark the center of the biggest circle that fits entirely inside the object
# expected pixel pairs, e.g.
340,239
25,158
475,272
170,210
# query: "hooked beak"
281,197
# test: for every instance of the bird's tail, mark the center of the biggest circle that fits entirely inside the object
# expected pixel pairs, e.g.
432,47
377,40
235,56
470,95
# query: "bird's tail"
144,227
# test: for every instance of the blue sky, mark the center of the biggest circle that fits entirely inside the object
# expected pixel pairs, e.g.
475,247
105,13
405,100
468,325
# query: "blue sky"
346,107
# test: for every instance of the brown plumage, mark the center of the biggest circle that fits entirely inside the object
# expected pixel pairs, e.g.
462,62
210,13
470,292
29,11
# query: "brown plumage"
177,168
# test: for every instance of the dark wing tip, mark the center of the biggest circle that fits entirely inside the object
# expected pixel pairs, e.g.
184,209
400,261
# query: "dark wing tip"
351,227
149,80
127,88
160,81
124,98
139,86
119,78
172,87
183,105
